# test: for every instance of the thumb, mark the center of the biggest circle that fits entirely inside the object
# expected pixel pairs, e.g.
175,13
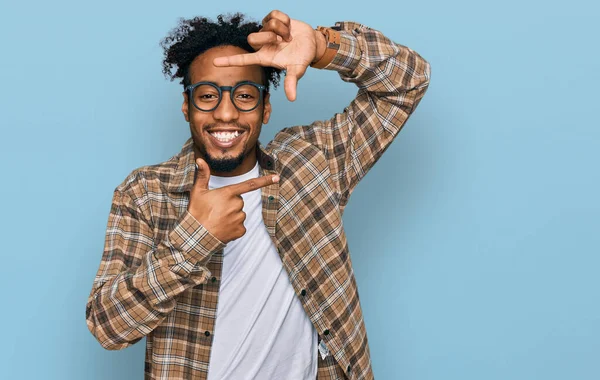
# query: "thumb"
289,85
292,76
203,174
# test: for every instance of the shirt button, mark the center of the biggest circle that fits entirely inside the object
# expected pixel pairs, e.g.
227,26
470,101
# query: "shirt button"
269,164
207,333
326,332
271,198
303,292
214,279
349,369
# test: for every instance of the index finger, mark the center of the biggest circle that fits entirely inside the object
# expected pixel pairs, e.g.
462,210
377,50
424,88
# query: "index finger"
237,60
252,184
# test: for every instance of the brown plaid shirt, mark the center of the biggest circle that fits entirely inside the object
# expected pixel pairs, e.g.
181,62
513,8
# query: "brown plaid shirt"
160,271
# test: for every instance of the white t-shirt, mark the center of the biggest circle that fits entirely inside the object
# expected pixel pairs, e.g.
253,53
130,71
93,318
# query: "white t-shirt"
261,331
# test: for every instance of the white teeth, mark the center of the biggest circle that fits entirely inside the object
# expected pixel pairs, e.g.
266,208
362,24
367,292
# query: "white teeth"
225,136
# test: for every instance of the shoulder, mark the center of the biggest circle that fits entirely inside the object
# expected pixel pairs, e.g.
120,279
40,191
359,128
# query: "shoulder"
150,179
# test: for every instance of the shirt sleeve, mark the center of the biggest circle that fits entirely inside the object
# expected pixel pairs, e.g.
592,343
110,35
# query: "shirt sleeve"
138,279
391,81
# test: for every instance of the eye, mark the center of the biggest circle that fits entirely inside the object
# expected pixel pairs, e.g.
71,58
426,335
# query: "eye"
246,93
206,93
207,98
245,96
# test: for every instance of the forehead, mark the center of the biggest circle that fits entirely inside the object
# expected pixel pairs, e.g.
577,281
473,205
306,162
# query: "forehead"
202,68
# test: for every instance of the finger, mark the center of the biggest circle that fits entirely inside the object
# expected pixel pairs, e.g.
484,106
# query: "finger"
259,39
239,201
289,85
238,60
203,174
278,27
277,15
252,184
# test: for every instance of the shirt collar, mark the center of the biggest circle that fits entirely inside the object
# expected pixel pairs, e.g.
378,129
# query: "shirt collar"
185,172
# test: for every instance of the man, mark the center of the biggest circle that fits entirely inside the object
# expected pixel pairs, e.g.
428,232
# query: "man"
231,257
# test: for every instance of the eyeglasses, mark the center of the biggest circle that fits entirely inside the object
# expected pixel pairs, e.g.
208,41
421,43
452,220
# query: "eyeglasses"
245,96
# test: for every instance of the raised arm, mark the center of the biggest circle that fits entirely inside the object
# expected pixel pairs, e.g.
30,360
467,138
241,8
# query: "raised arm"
391,81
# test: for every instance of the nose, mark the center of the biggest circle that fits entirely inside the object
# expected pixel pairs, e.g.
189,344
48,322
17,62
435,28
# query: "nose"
226,111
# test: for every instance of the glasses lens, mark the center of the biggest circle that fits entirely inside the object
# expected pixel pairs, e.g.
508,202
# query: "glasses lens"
205,97
246,97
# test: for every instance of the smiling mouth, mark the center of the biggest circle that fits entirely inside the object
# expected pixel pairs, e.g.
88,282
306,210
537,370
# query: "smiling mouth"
226,139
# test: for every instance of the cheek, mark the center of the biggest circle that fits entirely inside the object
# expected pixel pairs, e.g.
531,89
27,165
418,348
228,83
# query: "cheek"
256,123
199,120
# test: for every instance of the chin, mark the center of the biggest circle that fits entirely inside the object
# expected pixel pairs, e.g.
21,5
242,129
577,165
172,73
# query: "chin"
224,164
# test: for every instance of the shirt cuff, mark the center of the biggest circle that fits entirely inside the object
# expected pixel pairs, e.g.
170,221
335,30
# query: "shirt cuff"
190,241
348,55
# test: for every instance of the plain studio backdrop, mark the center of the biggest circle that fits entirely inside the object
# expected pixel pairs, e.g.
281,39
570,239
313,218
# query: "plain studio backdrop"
475,239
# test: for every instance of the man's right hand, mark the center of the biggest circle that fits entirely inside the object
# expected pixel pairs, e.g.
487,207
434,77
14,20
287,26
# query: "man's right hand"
220,210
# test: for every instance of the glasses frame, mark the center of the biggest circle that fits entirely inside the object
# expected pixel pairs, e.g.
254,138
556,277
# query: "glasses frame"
190,90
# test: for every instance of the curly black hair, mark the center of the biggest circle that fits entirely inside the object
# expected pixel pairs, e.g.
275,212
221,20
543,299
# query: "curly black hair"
193,37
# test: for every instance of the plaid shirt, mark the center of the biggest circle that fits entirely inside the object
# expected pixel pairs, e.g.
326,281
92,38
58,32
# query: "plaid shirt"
160,271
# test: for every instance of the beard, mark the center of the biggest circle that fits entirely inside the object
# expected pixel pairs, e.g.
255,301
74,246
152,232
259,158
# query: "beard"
224,165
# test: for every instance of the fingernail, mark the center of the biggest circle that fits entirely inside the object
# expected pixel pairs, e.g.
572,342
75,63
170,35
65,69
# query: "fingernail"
275,179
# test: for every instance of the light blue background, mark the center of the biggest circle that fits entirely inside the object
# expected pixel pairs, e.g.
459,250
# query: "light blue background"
475,239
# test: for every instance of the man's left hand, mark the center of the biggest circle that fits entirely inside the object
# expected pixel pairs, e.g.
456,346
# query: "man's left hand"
283,43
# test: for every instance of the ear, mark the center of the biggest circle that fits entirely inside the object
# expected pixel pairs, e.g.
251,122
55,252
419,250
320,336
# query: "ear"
184,107
266,108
